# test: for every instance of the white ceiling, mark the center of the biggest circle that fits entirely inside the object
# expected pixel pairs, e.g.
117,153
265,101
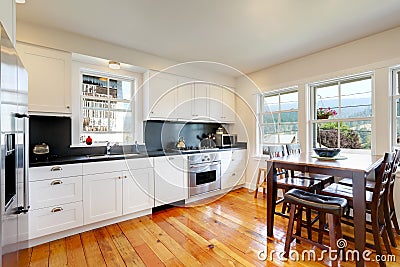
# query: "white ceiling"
245,34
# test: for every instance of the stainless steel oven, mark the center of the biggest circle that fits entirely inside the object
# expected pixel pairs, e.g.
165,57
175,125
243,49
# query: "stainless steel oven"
205,173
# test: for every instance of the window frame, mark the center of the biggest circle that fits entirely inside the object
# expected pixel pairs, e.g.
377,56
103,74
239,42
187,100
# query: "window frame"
395,84
132,103
261,113
340,80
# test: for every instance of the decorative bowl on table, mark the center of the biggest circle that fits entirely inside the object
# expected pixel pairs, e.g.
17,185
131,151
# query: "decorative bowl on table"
327,152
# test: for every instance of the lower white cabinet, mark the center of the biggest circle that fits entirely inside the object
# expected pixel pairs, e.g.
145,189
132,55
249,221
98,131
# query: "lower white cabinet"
171,180
138,190
233,165
55,219
102,196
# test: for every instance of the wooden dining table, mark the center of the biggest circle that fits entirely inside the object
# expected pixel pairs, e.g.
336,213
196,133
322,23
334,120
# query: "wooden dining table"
355,166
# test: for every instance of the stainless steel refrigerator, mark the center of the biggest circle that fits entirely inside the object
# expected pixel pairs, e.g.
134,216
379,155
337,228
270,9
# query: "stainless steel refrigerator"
14,163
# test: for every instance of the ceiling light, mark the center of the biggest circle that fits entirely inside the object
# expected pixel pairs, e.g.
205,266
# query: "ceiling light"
20,1
114,65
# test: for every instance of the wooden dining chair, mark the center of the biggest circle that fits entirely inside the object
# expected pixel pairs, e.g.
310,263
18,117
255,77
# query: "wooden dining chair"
389,207
325,179
374,202
285,183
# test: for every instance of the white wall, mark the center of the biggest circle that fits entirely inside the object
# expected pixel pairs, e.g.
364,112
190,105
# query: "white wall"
375,53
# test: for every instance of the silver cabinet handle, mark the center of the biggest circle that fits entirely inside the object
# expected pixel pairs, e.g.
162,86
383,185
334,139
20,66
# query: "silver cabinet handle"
57,209
56,168
125,176
56,182
119,177
171,158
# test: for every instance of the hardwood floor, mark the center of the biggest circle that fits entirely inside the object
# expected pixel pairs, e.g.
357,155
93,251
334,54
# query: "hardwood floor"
228,231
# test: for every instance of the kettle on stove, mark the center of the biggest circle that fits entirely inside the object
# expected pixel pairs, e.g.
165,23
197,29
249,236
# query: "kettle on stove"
181,143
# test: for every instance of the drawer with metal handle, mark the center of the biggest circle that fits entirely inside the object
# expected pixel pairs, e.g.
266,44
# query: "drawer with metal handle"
54,172
48,193
55,219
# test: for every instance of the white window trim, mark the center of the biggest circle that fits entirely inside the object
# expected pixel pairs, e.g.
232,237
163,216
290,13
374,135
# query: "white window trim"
312,120
260,105
394,97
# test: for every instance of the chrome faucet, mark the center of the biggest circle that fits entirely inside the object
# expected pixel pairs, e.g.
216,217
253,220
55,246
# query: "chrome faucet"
109,147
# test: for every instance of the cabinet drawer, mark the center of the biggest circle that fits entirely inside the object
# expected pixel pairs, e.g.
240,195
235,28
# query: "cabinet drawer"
142,163
54,172
55,219
104,166
48,193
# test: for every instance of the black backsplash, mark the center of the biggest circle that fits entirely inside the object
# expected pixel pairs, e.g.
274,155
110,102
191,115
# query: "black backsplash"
54,131
160,135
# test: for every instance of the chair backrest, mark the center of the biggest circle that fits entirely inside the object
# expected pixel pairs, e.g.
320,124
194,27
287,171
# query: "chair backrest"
293,149
382,179
276,151
395,164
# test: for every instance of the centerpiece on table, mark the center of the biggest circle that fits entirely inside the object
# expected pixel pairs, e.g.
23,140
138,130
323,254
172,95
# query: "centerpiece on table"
325,113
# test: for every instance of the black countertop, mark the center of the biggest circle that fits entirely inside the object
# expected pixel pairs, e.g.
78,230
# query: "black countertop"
95,158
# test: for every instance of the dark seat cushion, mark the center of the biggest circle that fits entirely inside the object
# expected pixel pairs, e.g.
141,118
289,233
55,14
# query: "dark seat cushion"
338,190
328,204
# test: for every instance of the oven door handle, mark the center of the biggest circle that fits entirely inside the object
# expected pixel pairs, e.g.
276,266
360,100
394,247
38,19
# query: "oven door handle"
204,165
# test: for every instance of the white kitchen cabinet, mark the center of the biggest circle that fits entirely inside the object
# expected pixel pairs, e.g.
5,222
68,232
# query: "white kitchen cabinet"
8,17
170,179
102,196
233,165
172,97
49,73
184,99
222,104
52,192
160,95
200,101
228,106
138,190
54,219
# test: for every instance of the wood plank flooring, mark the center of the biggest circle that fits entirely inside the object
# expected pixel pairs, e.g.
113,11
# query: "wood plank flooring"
226,231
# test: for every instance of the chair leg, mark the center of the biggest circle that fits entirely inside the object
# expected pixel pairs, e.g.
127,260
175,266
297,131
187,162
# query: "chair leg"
393,211
309,226
384,233
264,180
335,233
257,183
388,222
375,231
290,230
321,222
298,223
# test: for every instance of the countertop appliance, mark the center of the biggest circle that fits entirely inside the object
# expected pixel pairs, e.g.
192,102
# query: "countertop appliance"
14,125
204,173
225,140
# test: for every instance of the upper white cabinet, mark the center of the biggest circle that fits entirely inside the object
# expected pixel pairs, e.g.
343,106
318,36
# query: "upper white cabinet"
8,18
171,180
49,73
171,97
222,104
160,94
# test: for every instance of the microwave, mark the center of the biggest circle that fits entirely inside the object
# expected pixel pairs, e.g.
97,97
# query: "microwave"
225,140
